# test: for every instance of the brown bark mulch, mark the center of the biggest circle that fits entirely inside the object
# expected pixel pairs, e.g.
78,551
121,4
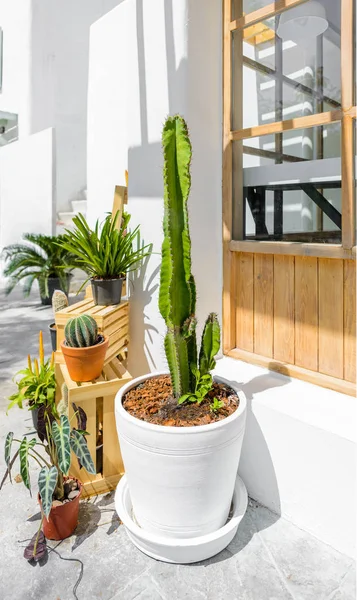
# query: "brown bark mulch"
153,402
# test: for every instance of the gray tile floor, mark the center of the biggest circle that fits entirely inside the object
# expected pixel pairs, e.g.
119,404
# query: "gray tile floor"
269,559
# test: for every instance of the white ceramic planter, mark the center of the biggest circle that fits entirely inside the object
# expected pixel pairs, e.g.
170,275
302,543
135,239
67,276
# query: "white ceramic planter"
181,479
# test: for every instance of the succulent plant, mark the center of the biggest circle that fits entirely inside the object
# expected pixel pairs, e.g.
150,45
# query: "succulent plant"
177,298
81,332
59,300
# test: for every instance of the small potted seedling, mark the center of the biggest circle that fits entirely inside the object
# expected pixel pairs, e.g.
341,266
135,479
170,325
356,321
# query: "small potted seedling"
59,494
83,348
36,387
59,302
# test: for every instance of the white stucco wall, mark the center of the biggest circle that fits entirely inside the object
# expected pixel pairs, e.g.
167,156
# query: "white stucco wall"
45,78
172,63
27,181
15,96
157,69
60,49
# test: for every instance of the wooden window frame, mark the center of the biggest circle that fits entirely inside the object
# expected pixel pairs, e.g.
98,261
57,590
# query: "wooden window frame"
233,131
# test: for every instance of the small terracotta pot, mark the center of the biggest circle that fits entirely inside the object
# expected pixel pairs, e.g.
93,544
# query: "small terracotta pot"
85,364
62,520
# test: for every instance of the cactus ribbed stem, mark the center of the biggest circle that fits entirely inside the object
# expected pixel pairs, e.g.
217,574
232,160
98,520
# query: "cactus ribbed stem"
81,332
177,297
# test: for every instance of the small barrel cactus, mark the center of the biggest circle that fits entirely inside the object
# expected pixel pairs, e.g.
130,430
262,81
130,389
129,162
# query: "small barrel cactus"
81,332
59,300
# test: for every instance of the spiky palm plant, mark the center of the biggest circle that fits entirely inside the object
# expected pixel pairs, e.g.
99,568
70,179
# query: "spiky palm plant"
191,380
39,257
109,250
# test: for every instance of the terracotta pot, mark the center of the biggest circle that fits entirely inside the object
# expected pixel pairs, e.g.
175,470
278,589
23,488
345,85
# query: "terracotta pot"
62,520
85,364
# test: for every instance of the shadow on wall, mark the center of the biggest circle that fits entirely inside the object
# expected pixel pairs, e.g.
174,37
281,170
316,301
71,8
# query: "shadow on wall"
256,461
141,292
147,160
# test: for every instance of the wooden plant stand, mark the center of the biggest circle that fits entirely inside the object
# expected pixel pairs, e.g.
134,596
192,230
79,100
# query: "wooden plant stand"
97,400
112,321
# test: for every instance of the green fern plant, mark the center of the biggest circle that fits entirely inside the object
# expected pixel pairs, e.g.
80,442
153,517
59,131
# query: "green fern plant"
190,374
38,258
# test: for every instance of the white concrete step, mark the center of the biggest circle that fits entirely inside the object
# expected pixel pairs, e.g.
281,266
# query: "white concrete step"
65,218
79,206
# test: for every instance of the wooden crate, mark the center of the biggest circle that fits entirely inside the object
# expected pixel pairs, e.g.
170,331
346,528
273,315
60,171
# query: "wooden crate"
112,321
97,400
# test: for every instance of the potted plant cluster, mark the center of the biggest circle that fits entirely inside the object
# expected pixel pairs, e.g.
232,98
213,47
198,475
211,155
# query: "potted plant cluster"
106,254
41,258
59,302
37,384
180,432
59,494
83,348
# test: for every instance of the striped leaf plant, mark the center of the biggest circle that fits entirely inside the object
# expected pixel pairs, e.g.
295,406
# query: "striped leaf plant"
53,455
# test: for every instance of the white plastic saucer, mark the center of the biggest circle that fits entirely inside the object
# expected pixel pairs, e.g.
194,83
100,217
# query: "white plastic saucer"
180,551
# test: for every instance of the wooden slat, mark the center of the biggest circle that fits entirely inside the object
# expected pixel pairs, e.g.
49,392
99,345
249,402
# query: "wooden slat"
112,460
289,124
119,369
306,313
263,13
331,317
62,316
348,124
245,302
293,249
119,324
348,183
332,383
263,304
109,372
100,485
349,318
284,309
119,337
228,260
110,317
120,349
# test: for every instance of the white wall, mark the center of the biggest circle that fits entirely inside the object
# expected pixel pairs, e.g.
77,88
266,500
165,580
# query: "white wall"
161,71
15,96
45,78
60,49
299,451
27,181
107,110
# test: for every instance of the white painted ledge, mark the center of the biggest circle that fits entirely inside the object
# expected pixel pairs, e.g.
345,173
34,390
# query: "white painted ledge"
298,456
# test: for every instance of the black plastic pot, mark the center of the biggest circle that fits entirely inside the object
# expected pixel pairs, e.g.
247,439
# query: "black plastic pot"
54,283
107,291
53,334
34,413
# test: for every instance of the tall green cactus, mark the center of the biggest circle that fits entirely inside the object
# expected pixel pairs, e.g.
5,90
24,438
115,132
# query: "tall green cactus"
177,297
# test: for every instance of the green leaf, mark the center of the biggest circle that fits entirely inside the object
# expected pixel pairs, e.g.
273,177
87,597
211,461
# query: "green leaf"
25,447
80,448
8,444
47,480
61,433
